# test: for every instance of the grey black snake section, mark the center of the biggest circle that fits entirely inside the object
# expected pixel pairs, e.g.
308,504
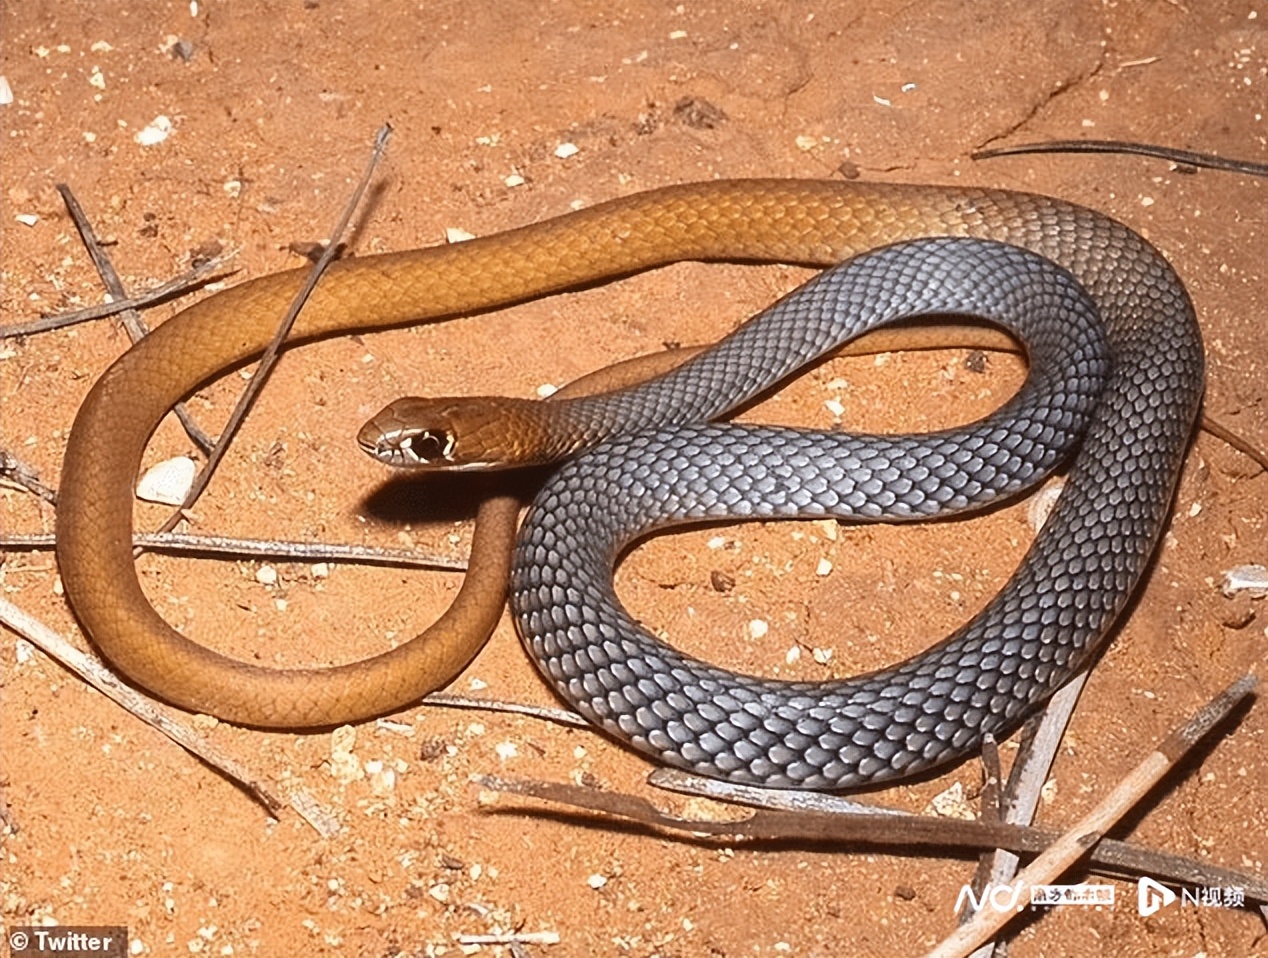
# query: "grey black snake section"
1133,378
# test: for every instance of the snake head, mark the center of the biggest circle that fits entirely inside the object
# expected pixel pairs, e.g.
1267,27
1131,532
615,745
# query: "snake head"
455,434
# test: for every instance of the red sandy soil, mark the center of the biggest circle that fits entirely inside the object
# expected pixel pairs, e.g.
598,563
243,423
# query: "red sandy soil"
271,116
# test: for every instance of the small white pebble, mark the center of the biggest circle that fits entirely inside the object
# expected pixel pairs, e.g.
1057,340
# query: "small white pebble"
23,651
716,542
156,132
1146,201
27,219
1041,504
1251,579
822,656
757,628
97,79
439,891
806,142
320,570
565,150
506,750
824,567
6,92
382,780
514,180
455,235
167,482
677,34
951,803
835,406
546,389
1195,509
343,739
266,575
345,767
793,655
477,685
596,881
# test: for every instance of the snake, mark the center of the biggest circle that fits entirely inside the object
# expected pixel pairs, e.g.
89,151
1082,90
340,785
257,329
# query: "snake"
1137,435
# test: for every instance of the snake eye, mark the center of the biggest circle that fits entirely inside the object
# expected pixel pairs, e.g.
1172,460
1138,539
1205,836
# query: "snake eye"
430,446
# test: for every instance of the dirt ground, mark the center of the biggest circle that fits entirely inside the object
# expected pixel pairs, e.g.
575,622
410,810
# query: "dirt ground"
272,106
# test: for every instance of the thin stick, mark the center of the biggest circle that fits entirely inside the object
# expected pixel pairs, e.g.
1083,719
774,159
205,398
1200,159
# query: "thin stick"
779,799
1244,446
95,673
543,712
130,318
269,359
1088,830
912,832
25,476
1185,157
191,279
510,938
1020,800
182,543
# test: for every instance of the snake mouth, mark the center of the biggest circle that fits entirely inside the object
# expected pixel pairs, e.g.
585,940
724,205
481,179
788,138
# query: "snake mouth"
428,446
411,448
428,449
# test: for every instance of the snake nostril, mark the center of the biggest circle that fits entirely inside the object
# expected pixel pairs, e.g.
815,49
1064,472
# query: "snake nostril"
429,446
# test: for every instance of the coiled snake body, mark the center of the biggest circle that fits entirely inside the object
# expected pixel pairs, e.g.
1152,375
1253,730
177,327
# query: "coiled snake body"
930,709
1078,575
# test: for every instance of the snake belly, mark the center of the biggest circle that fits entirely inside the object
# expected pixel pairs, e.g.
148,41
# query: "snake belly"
1138,386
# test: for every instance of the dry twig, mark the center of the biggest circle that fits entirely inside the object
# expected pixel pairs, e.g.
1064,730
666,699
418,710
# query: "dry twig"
1088,831
95,673
191,279
269,359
